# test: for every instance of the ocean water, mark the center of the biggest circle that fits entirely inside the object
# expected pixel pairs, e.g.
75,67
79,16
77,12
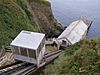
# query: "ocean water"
66,11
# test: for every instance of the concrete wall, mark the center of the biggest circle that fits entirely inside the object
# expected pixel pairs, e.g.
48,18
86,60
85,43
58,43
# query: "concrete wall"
29,55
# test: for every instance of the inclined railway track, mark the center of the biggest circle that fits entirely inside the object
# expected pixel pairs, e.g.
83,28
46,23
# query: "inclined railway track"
26,68
13,69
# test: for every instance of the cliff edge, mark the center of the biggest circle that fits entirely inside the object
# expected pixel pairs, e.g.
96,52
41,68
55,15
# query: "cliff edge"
32,15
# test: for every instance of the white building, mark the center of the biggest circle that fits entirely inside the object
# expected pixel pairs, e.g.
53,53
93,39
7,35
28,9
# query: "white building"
73,33
29,47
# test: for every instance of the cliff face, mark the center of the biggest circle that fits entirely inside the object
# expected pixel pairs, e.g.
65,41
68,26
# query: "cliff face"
32,15
45,18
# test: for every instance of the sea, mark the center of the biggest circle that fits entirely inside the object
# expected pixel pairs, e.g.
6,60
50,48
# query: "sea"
67,11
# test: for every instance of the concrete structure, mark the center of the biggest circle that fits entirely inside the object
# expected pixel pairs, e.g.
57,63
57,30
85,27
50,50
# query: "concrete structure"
29,47
73,33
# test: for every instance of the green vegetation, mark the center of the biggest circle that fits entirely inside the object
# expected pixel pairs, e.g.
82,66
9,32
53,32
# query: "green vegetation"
28,15
12,21
71,61
17,15
39,1
82,58
50,48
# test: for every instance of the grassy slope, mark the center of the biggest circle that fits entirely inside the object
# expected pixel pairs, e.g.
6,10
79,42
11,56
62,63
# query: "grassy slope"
16,16
39,1
70,61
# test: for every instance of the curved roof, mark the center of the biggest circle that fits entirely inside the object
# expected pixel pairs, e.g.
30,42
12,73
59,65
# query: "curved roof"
74,32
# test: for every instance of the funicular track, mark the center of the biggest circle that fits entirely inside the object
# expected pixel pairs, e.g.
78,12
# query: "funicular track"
21,68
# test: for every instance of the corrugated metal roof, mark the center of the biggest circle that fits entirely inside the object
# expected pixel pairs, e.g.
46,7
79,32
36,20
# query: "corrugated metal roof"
74,32
28,39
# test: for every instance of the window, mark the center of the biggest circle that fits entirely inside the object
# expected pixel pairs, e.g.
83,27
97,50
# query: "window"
32,53
43,41
23,51
41,45
63,42
16,50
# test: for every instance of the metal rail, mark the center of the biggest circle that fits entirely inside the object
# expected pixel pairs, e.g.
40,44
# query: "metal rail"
13,69
26,68
15,63
48,58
